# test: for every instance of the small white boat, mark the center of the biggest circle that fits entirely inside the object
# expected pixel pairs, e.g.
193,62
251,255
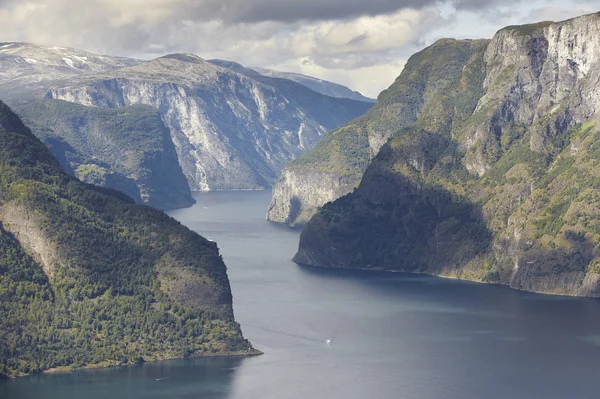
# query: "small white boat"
328,342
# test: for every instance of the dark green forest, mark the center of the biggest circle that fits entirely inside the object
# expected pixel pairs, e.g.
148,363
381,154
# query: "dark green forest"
128,149
103,281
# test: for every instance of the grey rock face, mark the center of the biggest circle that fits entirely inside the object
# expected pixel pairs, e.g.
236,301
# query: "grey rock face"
27,71
231,132
541,77
297,196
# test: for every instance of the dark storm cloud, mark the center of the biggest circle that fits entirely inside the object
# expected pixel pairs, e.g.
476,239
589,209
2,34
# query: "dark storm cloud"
367,40
248,11
294,10
253,11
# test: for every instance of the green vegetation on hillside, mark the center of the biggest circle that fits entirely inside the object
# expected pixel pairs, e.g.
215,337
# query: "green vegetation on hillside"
411,208
472,190
128,149
348,151
89,278
529,29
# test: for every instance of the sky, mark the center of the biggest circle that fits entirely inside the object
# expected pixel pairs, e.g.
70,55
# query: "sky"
362,44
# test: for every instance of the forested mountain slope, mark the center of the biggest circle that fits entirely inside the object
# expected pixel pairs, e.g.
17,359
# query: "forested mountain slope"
127,149
336,164
88,278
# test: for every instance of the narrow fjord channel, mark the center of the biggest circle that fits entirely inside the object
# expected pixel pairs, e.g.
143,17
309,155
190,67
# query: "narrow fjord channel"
392,335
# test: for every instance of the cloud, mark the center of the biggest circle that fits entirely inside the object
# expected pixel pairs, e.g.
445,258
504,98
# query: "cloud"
245,11
556,13
341,40
363,41
236,11
149,28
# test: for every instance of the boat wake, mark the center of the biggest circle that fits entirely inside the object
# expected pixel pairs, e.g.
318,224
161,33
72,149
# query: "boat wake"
328,342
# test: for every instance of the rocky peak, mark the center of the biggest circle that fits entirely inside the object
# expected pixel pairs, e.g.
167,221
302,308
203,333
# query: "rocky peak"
541,77
185,57
27,71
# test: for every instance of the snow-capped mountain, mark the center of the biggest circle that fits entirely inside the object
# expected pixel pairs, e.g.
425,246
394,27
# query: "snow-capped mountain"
28,71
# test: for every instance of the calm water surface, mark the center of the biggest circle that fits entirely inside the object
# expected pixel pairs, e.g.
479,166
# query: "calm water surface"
393,335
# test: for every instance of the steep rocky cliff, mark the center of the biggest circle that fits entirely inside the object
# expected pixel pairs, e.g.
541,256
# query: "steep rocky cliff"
231,131
127,149
337,162
88,278
499,183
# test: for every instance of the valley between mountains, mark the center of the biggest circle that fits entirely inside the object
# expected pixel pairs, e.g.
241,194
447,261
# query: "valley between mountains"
231,128
480,162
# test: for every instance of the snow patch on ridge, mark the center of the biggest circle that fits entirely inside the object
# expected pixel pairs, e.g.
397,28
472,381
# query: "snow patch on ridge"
69,62
300,131
262,106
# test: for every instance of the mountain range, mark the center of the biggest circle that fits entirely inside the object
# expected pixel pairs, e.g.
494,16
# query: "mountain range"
489,171
231,129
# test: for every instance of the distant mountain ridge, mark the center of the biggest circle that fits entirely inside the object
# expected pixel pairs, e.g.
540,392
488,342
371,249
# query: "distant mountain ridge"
232,128
232,131
319,85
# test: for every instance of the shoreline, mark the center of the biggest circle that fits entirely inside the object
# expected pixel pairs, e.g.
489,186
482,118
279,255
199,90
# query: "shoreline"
449,277
68,369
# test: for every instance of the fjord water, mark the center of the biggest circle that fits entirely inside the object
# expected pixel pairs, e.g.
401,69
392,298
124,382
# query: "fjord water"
393,335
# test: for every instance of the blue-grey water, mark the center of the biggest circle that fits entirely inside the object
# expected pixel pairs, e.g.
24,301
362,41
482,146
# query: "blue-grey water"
393,335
